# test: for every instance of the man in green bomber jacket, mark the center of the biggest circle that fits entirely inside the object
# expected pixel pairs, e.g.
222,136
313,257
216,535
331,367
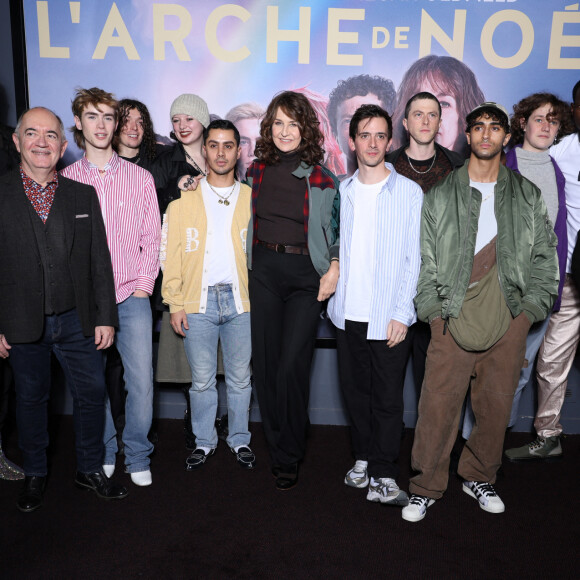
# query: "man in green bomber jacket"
488,271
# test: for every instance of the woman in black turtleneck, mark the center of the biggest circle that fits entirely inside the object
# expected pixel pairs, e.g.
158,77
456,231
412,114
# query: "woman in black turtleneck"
292,249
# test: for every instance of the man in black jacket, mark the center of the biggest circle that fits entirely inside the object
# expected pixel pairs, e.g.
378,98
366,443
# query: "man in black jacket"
56,296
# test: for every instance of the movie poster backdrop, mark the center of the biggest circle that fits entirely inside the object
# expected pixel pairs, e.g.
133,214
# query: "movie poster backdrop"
237,55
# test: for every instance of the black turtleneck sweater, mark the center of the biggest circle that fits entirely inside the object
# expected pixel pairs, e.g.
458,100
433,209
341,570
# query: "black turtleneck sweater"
280,205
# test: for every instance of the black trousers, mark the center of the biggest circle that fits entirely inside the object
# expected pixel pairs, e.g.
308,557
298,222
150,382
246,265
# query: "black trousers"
372,378
421,339
285,315
6,389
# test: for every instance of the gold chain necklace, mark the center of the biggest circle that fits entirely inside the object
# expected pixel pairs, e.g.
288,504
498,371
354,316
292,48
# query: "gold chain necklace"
223,199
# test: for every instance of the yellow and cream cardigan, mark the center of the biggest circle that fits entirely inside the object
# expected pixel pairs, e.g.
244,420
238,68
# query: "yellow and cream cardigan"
183,248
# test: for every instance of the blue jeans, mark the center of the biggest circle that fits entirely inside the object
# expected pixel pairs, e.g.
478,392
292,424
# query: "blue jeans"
533,343
134,342
82,364
220,322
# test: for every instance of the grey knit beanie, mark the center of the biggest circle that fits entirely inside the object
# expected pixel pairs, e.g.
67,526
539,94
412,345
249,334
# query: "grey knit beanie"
193,105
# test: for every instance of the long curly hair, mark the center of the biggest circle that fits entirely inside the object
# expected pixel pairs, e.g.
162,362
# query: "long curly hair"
147,148
560,111
299,109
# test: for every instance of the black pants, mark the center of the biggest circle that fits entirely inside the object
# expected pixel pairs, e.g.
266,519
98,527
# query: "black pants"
421,338
6,389
372,377
284,314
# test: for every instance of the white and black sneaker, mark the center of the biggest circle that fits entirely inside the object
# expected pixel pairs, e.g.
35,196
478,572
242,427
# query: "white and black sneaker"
358,476
417,508
386,491
485,495
197,459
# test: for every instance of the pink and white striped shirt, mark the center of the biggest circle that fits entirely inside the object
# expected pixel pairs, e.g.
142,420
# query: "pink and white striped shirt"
128,201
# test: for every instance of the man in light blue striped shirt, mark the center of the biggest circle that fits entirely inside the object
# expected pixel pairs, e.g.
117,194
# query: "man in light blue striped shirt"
373,307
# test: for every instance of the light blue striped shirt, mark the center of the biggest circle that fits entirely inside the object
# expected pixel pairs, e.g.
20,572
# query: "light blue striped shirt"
397,254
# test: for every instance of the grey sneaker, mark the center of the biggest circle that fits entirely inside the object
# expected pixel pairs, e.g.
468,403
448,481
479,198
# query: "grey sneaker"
486,496
417,508
386,491
358,476
542,449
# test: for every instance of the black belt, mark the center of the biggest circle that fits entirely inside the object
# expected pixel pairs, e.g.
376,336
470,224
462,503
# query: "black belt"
285,248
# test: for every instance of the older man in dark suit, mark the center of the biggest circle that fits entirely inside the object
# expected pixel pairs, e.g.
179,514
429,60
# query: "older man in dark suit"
56,296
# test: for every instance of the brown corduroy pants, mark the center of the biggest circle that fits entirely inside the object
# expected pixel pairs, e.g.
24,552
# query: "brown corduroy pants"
449,371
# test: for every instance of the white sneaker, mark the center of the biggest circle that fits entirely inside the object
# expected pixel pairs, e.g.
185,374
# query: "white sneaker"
142,478
485,495
357,476
109,469
386,490
417,508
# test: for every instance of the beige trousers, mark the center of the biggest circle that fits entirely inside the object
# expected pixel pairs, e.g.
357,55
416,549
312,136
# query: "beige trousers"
555,359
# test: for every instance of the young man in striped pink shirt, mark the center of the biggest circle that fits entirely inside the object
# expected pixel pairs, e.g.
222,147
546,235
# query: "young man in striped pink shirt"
131,214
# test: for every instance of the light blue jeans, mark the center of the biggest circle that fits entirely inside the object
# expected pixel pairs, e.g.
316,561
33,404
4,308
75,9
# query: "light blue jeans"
220,322
134,342
533,343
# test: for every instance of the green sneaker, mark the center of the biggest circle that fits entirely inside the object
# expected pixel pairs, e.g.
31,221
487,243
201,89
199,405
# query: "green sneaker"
542,449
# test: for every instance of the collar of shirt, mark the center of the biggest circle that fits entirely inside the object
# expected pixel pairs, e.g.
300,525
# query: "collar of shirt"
348,184
30,185
110,167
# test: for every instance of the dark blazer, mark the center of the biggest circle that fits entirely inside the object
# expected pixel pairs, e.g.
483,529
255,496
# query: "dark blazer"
21,274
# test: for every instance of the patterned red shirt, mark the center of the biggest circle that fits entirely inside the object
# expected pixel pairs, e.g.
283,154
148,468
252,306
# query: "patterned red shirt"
40,197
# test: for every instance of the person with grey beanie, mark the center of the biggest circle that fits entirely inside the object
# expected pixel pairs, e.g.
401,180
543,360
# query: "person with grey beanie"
176,167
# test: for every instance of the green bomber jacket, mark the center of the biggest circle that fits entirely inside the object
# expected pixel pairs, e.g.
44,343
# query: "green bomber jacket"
525,248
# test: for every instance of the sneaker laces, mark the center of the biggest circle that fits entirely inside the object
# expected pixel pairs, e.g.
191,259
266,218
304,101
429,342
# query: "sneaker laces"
418,500
537,444
484,489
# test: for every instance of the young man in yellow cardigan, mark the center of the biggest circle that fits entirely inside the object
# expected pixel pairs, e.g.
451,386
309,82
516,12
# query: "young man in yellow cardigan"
205,284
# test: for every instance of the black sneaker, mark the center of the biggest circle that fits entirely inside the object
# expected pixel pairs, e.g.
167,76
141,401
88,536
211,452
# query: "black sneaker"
197,459
245,457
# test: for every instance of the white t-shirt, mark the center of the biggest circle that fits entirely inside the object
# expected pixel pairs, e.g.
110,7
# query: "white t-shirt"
362,251
567,156
219,261
487,225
